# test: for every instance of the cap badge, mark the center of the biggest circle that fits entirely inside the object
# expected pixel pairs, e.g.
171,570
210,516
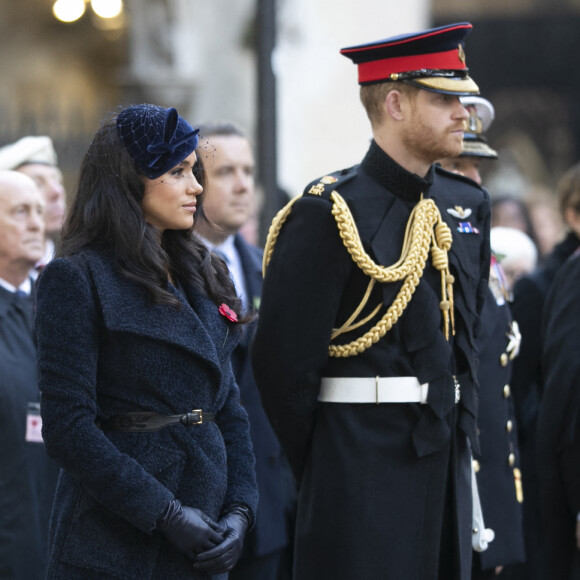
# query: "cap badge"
459,213
474,123
461,53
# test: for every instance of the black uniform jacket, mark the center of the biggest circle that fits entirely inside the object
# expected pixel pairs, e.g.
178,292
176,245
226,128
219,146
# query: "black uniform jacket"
558,439
373,476
498,463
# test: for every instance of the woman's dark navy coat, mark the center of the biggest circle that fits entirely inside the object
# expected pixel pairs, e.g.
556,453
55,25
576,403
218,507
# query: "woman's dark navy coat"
104,349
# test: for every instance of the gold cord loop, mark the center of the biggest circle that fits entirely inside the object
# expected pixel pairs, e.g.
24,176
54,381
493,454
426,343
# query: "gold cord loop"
274,232
425,231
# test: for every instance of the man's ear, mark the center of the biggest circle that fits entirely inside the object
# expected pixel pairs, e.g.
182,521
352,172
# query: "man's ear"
572,219
394,102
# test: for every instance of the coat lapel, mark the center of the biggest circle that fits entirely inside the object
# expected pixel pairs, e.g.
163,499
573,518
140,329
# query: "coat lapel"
251,258
126,308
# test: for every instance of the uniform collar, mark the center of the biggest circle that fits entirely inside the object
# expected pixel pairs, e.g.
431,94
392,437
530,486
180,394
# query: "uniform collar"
388,173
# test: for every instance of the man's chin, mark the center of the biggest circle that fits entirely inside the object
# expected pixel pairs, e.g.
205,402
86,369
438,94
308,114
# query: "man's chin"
454,150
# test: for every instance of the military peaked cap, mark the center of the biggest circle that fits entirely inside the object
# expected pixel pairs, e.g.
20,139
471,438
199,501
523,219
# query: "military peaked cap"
433,60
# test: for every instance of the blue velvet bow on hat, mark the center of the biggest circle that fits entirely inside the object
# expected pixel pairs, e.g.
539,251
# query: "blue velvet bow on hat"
158,139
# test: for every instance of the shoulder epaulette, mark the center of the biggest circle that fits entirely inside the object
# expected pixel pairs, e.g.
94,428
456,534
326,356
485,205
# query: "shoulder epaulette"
327,184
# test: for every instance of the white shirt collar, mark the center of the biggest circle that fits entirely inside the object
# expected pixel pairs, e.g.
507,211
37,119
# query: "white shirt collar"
26,286
228,249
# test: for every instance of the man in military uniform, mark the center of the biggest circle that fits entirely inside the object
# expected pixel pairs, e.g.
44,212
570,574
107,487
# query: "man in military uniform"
365,349
497,464
475,147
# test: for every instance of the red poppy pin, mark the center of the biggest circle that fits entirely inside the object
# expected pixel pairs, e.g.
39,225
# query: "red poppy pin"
226,311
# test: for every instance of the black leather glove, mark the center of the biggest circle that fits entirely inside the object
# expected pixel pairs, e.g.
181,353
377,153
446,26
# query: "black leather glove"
189,529
237,520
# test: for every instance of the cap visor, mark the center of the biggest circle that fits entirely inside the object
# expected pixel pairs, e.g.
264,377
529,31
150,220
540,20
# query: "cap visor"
478,149
450,86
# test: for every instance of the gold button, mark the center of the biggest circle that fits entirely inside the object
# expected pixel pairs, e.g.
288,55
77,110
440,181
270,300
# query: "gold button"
509,426
506,392
504,359
476,466
511,459
518,482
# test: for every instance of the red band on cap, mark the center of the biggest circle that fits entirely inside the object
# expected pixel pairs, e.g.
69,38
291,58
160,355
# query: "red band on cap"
377,70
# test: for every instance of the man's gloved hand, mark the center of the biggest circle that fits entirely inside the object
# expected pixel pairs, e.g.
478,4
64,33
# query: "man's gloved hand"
189,529
222,558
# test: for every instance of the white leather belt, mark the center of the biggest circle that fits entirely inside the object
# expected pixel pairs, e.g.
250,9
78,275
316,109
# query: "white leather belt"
372,390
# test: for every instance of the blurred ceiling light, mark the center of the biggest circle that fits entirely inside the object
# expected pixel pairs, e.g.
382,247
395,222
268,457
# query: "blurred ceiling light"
68,10
107,8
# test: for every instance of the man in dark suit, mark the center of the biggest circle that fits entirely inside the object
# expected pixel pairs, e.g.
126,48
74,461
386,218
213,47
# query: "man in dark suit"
27,476
229,203
558,434
365,349
530,294
496,467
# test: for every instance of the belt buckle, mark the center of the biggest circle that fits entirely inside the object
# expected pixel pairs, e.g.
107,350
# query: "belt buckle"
194,417
199,414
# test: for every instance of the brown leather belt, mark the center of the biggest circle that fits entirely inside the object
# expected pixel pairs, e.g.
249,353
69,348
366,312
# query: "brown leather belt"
147,421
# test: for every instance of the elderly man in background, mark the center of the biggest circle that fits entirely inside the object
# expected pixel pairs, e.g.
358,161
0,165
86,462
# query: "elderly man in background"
28,476
36,157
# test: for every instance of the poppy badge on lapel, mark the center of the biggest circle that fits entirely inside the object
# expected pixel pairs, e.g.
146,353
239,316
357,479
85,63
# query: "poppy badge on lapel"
226,311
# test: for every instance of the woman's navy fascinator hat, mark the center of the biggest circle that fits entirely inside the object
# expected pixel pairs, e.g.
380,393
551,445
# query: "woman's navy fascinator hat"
157,139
